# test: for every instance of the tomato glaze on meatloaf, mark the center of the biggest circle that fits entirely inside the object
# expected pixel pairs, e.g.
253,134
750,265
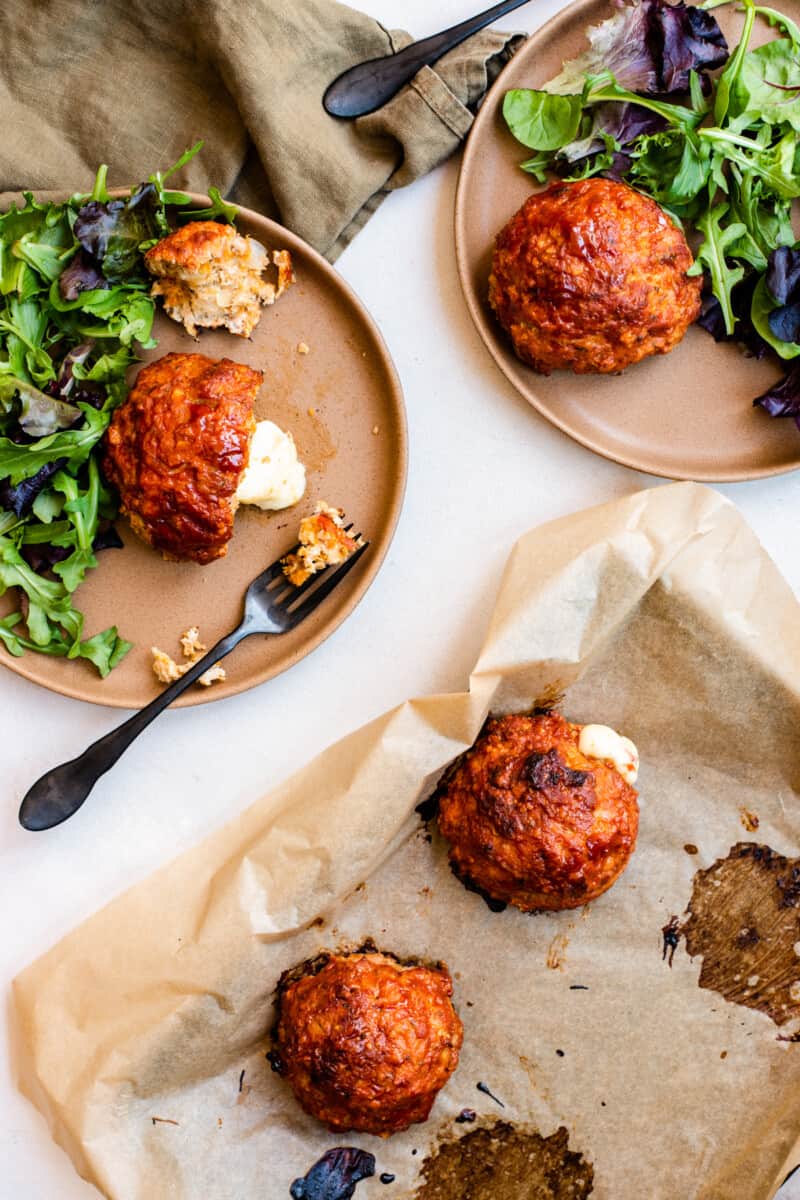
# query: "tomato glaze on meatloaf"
176,450
366,1042
591,277
532,821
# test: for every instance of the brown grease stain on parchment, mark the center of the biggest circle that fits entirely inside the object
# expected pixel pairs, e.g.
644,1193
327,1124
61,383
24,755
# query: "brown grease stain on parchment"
744,921
505,1162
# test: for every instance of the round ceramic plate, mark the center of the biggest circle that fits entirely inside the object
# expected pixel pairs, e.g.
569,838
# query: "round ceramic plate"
343,404
686,415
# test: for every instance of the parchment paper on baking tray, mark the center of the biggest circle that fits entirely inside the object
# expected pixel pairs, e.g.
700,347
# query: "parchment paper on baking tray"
625,1067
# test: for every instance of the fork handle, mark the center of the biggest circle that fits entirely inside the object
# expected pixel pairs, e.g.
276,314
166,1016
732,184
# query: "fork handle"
61,791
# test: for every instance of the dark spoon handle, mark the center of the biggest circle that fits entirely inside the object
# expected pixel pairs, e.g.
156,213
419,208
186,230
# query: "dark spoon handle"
60,792
366,87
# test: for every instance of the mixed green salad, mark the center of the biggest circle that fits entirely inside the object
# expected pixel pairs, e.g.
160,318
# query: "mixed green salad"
74,311
720,154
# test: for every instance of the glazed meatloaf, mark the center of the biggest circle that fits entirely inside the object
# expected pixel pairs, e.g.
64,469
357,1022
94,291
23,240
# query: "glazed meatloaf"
531,820
176,450
591,277
365,1041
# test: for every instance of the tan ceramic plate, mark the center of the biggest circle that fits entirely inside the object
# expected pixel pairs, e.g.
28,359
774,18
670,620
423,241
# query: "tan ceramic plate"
343,403
687,415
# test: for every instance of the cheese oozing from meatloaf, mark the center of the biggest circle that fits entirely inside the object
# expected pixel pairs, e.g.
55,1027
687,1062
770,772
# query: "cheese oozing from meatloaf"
604,743
274,478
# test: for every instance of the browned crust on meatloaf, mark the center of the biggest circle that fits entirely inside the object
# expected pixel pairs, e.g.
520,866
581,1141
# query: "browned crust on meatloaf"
367,1042
532,821
177,448
591,277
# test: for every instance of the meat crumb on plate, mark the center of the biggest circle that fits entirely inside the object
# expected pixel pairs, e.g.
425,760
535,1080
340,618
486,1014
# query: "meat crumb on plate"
191,645
166,670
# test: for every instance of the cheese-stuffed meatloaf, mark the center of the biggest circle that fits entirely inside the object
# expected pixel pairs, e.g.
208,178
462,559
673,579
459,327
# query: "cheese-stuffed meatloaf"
540,813
176,451
365,1041
591,277
211,275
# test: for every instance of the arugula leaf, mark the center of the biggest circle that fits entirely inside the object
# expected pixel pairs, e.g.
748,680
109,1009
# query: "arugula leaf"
17,643
780,21
49,604
218,207
766,216
729,76
605,87
105,650
773,164
711,254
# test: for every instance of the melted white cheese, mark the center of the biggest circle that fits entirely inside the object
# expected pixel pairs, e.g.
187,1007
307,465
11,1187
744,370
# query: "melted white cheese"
275,477
604,743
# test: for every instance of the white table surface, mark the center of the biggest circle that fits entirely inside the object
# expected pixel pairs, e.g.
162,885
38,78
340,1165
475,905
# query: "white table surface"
476,449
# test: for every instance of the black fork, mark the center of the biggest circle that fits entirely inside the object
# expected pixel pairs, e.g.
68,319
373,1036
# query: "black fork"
271,606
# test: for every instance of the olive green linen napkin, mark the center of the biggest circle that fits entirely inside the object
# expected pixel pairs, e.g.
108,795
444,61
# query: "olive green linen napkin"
134,82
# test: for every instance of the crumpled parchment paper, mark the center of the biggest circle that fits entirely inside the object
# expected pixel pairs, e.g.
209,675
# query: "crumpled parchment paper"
660,615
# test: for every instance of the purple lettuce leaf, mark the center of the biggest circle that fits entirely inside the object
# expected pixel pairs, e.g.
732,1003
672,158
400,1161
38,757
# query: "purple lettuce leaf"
685,39
66,378
623,122
649,47
19,498
783,398
782,279
43,557
107,539
785,322
81,275
783,275
77,391
713,321
112,231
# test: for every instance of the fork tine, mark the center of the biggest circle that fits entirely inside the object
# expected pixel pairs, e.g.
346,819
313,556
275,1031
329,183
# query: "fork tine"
275,570
330,580
294,591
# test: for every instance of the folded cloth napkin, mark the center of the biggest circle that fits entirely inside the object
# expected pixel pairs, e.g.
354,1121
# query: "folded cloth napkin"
134,82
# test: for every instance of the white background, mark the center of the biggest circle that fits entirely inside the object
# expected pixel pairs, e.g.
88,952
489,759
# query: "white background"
482,462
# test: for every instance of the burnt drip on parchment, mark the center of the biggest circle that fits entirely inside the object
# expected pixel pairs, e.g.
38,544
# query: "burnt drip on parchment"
744,922
335,1175
508,1161
670,938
